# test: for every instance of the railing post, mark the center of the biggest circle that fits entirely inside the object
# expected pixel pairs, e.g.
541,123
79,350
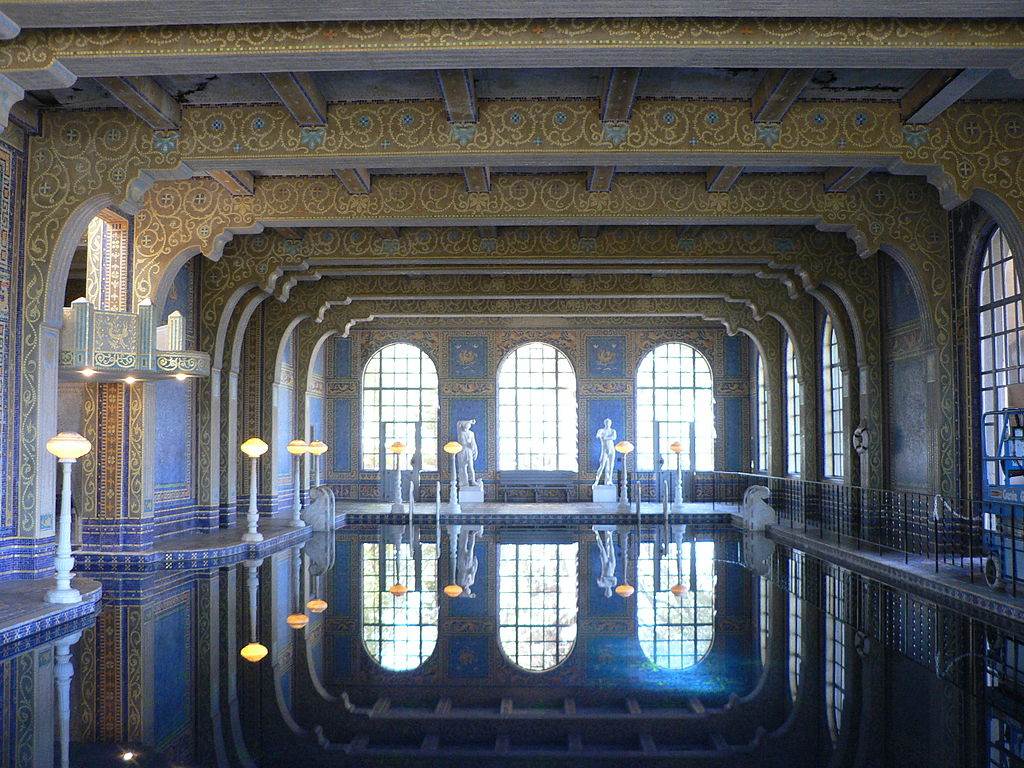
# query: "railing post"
1013,548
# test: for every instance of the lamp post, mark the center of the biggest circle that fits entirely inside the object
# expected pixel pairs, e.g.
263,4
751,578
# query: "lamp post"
625,448
68,447
298,449
254,650
253,448
677,449
63,671
453,448
396,449
298,619
317,448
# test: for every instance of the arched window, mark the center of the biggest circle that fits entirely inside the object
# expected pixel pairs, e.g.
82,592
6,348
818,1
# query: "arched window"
537,410
537,603
399,403
761,389
400,632
1000,317
676,632
832,401
764,616
796,638
673,392
793,450
835,647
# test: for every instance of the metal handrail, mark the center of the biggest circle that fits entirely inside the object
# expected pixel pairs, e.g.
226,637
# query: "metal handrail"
951,531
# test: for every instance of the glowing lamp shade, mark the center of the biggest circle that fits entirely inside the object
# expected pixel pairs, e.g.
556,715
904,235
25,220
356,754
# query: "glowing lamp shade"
678,590
452,447
625,590
624,446
396,447
316,605
68,446
318,447
398,589
297,447
676,447
254,447
297,620
453,590
253,652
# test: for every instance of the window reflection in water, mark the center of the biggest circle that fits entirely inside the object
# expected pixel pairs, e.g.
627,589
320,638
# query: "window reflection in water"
835,647
676,632
537,603
764,616
796,640
399,632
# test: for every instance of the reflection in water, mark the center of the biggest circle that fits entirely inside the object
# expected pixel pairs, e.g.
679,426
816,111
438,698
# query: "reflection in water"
676,632
836,582
399,631
537,595
764,616
796,613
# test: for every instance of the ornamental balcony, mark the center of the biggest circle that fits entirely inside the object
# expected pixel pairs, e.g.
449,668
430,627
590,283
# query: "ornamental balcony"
104,345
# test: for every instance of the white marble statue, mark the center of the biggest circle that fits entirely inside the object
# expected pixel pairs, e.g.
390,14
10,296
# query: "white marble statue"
465,458
606,436
755,508
606,545
467,563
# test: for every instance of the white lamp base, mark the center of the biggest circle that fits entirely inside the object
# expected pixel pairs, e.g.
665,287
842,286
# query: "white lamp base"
471,494
297,523
398,508
64,596
605,494
252,538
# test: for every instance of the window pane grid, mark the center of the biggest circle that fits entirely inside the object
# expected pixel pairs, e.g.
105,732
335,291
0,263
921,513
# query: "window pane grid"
676,632
1000,315
835,647
762,417
793,448
399,390
537,603
674,389
764,617
832,397
400,633
537,420
796,640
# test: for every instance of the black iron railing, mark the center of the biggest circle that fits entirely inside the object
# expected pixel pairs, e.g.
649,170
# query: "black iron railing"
971,534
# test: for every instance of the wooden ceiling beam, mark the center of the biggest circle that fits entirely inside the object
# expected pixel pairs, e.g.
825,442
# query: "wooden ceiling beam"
459,94
300,96
842,179
600,178
936,91
144,97
723,177
478,178
355,180
618,92
776,92
238,183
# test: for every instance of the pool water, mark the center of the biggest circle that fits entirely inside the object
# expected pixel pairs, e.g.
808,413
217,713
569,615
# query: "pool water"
516,645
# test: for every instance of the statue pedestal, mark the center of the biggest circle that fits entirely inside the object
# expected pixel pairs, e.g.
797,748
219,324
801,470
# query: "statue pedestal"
471,494
604,494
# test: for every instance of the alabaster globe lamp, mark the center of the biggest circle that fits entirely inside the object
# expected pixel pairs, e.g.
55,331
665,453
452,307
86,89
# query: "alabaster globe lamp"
453,448
317,448
297,448
253,448
625,448
68,447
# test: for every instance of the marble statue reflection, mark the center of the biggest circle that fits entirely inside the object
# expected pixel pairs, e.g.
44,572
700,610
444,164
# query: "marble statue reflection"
606,436
465,458
467,563
606,545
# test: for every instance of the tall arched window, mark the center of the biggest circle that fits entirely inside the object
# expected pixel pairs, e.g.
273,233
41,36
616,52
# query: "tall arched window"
673,391
835,647
400,633
537,410
537,603
832,401
1000,317
399,403
761,389
676,632
796,638
793,450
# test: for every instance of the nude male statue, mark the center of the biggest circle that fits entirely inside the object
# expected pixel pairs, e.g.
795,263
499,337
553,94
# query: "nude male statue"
465,458
606,436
